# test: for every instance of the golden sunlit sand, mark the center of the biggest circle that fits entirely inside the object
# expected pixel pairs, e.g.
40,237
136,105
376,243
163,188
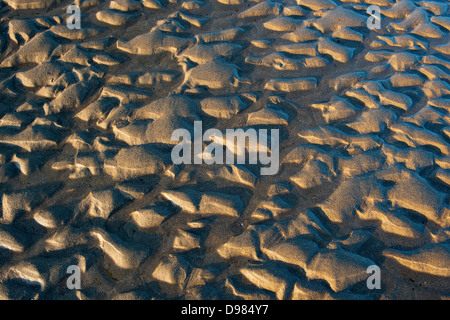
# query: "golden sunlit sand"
87,117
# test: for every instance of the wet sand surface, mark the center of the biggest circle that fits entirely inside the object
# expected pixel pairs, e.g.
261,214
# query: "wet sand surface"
87,179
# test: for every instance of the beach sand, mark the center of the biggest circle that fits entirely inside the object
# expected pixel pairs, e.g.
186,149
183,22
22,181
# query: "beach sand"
87,179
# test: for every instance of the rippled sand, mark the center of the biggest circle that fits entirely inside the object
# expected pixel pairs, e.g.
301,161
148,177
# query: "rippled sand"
86,177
